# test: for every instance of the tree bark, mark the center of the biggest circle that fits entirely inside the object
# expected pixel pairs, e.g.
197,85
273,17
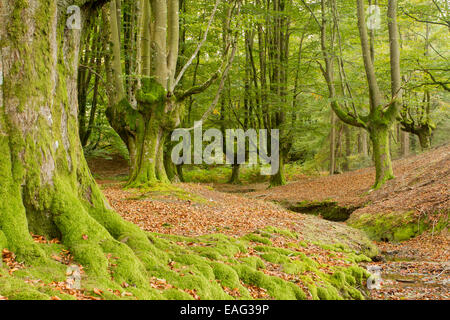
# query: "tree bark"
333,143
234,179
381,154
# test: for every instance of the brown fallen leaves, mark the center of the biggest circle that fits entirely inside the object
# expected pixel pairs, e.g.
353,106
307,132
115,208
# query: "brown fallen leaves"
64,257
63,287
257,292
9,258
42,239
232,292
160,284
224,213
421,184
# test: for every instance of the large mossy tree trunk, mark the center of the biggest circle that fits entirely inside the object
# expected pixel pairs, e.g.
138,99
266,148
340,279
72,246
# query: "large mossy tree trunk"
144,130
46,187
424,135
144,126
379,136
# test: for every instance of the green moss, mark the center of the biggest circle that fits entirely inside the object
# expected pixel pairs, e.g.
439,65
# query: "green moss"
208,252
395,226
284,232
276,287
275,257
277,250
253,262
151,92
328,293
175,294
256,238
3,241
295,267
229,278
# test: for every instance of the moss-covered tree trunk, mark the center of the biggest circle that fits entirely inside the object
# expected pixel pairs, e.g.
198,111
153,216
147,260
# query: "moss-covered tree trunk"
234,178
424,135
172,170
46,187
379,136
279,179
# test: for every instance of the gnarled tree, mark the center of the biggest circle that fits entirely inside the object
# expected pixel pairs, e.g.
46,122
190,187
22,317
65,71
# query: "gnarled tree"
145,118
381,116
46,187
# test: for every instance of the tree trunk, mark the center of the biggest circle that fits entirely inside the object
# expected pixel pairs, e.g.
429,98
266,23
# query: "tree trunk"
279,178
148,148
365,147
424,135
381,154
170,167
348,148
404,138
333,144
46,187
234,179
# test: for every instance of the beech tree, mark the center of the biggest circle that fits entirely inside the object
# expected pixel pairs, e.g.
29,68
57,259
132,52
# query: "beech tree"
381,115
145,118
46,187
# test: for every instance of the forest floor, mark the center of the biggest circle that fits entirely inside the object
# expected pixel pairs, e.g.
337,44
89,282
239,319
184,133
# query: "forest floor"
413,269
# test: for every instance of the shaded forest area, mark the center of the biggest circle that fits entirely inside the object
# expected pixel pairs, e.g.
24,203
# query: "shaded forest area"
353,95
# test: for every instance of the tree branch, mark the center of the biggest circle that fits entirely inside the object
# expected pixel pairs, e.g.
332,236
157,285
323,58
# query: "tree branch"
197,89
446,23
191,59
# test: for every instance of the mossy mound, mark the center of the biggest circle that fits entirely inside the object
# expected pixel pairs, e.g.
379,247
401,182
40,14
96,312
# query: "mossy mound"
393,226
207,267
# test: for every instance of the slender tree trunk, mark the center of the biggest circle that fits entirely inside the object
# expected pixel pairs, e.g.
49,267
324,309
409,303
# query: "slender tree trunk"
333,143
279,179
348,149
381,119
235,174
364,146
404,138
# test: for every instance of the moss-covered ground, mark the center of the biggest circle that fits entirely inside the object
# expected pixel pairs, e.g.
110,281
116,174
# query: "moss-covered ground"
270,263
396,226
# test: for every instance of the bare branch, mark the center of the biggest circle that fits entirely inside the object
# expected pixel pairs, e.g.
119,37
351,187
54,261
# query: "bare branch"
446,23
186,66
